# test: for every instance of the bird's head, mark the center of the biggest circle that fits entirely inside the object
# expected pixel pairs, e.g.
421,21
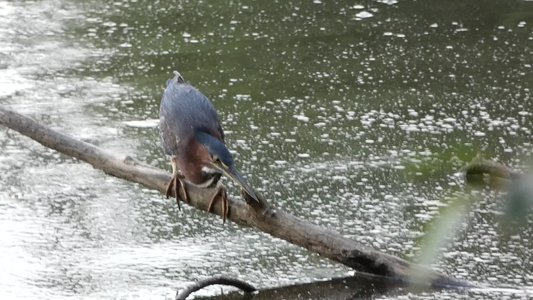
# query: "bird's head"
222,160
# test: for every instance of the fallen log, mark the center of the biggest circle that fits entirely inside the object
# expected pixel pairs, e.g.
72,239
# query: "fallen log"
277,223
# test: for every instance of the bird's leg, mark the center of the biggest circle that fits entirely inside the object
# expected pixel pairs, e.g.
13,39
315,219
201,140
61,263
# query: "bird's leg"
177,184
222,195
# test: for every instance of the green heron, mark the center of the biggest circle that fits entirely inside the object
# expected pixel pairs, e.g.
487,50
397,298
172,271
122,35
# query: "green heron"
191,134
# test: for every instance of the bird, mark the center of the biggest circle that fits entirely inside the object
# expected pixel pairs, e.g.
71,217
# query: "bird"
192,136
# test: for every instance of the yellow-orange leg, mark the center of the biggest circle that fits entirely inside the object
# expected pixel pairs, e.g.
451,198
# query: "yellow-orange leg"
177,184
222,195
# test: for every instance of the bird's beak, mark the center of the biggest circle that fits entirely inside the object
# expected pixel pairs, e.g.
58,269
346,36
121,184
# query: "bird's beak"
232,173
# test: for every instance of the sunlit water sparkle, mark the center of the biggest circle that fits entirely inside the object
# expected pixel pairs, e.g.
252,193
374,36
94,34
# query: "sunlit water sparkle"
358,118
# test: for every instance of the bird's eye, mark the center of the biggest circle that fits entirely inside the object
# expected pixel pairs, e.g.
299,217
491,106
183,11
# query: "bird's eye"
218,161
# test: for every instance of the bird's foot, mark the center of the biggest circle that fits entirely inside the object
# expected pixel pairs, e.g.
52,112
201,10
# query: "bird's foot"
223,196
177,185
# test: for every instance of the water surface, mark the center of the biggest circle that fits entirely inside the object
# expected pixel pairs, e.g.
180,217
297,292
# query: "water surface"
357,116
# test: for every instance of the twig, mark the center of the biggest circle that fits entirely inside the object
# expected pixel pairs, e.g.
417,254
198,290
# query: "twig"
186,292
481,172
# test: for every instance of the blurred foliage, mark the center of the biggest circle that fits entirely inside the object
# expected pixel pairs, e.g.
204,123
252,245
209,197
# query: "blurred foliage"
514,189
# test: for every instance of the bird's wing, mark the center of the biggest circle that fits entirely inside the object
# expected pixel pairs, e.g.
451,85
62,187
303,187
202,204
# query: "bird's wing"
168,139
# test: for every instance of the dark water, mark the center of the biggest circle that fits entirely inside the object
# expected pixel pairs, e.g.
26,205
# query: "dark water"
356,115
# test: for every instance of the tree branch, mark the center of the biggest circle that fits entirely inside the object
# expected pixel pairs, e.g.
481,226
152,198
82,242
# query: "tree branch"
275,222
482,172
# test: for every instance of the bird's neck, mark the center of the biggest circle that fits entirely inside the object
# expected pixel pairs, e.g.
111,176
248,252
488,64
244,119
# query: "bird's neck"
193,163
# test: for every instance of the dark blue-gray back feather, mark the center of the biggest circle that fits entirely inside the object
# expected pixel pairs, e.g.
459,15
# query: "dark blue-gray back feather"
184,111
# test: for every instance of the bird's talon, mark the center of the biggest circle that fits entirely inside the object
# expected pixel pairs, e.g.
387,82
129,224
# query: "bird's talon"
176,184
170,185
225,204
185,194
212,201
176,191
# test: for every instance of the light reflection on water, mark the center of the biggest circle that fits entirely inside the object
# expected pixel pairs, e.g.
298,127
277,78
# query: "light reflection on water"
359,125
